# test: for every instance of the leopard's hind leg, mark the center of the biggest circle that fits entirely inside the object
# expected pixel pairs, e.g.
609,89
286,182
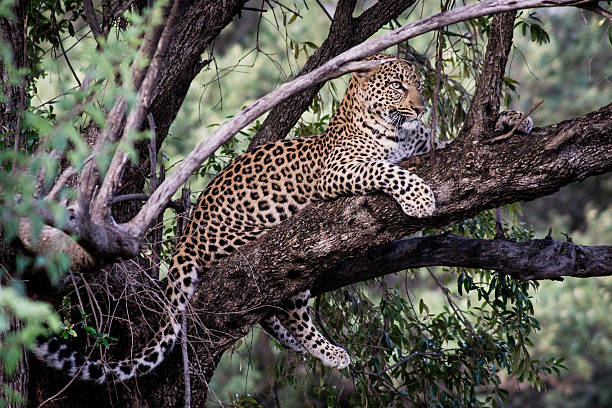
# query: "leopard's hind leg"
297,321
275,329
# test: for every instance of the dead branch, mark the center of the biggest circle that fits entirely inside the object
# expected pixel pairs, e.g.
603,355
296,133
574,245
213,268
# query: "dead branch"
101,206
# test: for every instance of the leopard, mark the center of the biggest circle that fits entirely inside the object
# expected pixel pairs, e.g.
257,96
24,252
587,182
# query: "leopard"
375,127
509,118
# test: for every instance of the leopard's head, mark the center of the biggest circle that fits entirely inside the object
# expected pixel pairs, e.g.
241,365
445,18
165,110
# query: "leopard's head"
389,91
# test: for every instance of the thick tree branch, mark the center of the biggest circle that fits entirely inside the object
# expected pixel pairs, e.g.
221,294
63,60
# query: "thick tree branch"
483,111
532,260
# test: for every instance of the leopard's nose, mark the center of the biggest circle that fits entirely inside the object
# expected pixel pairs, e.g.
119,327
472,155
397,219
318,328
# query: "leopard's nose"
419,109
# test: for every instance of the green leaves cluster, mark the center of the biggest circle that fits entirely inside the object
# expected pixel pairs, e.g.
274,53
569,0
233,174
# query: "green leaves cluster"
52,138
103,339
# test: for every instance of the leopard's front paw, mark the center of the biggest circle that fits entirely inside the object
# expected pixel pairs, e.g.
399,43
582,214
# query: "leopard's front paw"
419,201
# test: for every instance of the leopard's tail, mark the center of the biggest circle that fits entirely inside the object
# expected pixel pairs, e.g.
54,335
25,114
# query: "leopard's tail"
179,290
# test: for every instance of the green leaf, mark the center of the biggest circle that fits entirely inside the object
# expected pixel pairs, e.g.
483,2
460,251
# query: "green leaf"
423,306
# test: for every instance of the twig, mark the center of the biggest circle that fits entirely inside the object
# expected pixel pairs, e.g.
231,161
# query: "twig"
130,197
516,126
61,43
408,358
156,233
434,112
61,181
325,10
451,302
183,214
185,361
593,7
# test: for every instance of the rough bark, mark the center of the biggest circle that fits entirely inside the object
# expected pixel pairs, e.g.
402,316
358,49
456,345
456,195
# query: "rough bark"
531,260
483,111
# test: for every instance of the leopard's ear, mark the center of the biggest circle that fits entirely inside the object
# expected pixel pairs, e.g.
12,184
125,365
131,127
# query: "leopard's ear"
366,73
380,56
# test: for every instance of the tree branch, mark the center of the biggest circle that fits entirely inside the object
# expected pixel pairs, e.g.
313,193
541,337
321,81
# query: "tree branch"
116,120
595,8
484,109
532,260
101,207
92,19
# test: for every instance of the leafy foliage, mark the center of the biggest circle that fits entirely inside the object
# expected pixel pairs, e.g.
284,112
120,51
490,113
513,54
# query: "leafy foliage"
52,141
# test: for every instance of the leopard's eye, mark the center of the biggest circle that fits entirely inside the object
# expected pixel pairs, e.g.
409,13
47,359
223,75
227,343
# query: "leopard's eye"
396,85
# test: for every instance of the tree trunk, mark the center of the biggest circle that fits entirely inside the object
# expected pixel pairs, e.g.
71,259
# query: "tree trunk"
12,33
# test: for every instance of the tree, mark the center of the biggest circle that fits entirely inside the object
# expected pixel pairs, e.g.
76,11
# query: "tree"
105,164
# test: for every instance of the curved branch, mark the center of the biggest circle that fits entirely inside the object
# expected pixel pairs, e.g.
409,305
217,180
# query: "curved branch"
345,32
